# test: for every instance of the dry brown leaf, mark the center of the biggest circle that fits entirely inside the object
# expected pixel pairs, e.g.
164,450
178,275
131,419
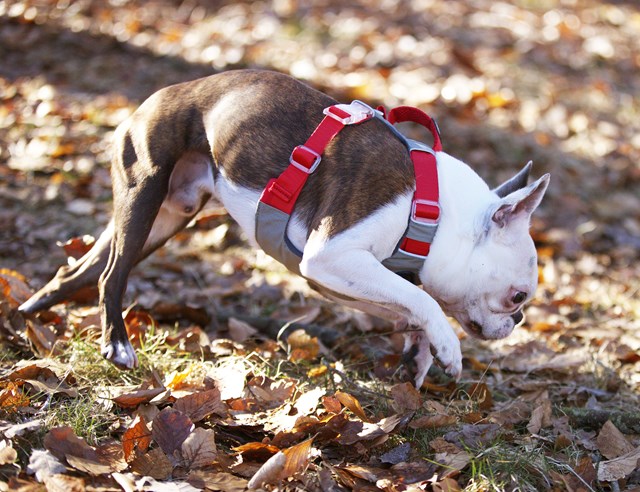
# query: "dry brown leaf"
446,485
269,473
540,417
481,394
611,442
331,404
64,483
7,453
453,462
170,429
216,481
240,331
199,449
77,247
13,286
138,323
201,404
620,467
12,397
352,404
153,464
302,346
132,399
256,451
42,338
440,445
405,397
269,392
433,421
137,438
511,413
62,441
283,464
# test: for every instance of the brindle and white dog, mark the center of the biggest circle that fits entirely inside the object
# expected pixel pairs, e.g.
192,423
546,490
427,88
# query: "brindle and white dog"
225,136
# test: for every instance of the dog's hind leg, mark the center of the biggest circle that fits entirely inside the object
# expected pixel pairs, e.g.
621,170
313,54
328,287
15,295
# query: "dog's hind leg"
191,184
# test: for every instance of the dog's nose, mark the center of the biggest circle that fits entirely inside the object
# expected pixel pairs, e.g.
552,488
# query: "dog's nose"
517,317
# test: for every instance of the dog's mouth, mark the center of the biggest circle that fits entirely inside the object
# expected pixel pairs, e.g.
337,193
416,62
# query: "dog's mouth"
476,329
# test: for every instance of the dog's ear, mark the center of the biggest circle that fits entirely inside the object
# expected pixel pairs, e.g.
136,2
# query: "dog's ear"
515,183
521,203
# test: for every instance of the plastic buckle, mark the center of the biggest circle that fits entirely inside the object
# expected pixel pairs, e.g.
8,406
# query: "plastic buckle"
425,220
357,112
317,158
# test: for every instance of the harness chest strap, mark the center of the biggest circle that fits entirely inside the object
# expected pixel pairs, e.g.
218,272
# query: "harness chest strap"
279,196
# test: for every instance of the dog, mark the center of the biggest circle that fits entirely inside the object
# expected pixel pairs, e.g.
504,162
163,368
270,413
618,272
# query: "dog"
224,137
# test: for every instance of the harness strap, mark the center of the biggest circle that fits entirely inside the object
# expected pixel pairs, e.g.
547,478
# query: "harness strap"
279,196
425,208
283,191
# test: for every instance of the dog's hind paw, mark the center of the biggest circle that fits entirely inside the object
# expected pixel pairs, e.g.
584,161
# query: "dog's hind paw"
120,354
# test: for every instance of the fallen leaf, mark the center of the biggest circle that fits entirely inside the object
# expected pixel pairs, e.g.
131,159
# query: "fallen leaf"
154,464
433,421
331,404
611,442
405,397
481,394
64,483
170,429
201,404
216,481
540,417
397,455
12,397
7,453
137,438
446,485
283,464
473,436
132,399
620,467
352,404
199,449
240,331
43,464
13,287
302,346
256,451
77,247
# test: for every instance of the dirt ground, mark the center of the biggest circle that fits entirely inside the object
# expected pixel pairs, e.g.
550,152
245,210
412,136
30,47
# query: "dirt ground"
553,81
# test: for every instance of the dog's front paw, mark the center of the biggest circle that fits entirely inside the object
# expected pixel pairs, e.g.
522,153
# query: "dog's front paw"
447,350
121,354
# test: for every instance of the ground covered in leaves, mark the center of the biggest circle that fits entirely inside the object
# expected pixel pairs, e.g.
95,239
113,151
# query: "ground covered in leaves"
248,379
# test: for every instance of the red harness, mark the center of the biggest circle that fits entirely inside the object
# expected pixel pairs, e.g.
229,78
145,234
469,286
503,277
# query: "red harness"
279,196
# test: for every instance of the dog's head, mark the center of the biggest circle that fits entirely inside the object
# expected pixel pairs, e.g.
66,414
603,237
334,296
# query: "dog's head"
496,268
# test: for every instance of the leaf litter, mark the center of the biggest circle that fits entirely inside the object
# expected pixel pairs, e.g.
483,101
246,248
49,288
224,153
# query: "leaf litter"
222,401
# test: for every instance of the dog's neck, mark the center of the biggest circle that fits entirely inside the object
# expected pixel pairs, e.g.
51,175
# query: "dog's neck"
463,198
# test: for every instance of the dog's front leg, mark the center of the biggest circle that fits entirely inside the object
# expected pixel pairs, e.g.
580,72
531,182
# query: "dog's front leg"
358,274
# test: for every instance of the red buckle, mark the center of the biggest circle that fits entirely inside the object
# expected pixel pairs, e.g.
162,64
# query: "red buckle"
350,114
425,211
300,161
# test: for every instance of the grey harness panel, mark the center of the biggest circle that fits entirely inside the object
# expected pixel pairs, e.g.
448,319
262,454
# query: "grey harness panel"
271,231
271,235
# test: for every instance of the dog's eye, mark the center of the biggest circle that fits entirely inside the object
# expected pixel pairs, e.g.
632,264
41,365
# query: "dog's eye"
519,297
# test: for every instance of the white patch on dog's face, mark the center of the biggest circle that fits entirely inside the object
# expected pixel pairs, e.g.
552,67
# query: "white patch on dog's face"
496,268
501,275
